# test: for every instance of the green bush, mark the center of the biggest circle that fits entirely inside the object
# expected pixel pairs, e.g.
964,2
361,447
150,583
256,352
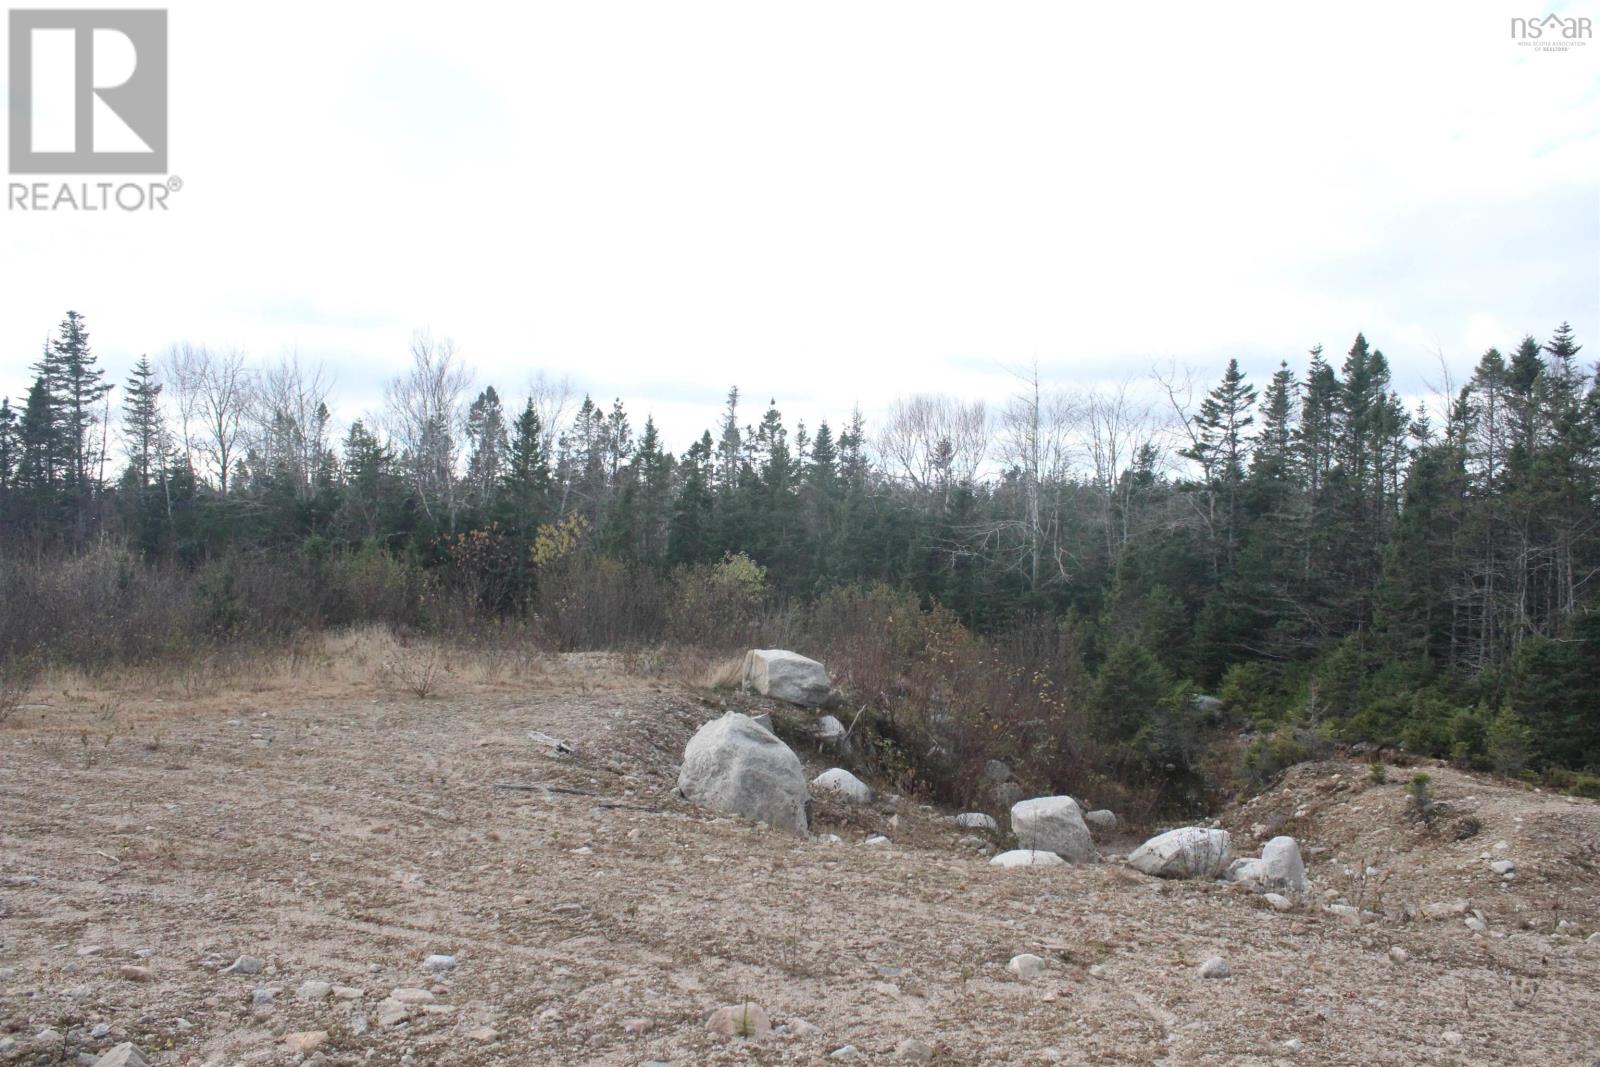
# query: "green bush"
1269,756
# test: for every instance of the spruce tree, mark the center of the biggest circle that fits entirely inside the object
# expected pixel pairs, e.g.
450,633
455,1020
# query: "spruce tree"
143,431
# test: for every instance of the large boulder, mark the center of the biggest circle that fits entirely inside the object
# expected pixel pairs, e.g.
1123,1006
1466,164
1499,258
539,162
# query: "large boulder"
1053,824
1189,852
787,676
734,765
1101,822
1279,867
846,785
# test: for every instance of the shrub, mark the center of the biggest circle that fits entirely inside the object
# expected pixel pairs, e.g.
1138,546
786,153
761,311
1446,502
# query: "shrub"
1269,756
1251,689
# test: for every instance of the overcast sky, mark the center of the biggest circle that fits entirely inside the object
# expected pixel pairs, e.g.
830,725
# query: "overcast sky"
833,203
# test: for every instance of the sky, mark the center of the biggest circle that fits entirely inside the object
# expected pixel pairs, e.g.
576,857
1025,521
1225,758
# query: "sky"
834,204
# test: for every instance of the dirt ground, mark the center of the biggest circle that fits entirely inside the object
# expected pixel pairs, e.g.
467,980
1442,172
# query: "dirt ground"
343,830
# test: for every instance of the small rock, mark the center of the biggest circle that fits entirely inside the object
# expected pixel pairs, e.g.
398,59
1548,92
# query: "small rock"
1503,867
995,772
638,1027
313,990
804,1028
1593,939
483,1035
847,1052
412,996
843,784
263,997
100,1030
1398,954
305,1042
1346,913
244,965
1451,1037
740,1020
126,1054
1294,1044
1215,967
876,841
1445,909
1027,857
134,974
976,820
912,1050
48,1039
1477,925
348,992
1026,965
439,964
392,1013
1278,901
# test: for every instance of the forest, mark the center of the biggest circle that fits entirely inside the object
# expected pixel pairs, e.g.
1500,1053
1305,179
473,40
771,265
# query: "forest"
1331,561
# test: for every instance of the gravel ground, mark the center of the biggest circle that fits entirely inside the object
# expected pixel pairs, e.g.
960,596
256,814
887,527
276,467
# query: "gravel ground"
344,834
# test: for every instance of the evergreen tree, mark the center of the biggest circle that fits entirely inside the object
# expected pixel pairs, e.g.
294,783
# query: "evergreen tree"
487,444
143,429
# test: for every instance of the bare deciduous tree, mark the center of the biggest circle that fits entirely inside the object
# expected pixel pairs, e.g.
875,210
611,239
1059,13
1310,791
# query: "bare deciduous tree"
424,418
214,392
936,442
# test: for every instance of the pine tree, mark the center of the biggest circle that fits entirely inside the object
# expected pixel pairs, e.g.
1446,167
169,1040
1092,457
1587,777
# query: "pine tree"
8,446
143,429
1219,445
525,484
487,445
78,387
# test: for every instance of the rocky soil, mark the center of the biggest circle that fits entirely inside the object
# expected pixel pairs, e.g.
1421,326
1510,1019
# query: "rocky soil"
262,878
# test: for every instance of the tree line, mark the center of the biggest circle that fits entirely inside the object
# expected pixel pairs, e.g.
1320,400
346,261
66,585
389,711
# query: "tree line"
1308,547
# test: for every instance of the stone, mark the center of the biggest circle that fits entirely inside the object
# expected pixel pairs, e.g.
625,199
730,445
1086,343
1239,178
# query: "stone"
740,1020
1101,822
348,992
439,964
305,1042
1502,867
1005,794
845,1052
977,820
412,996
804,1028
262,997
734,766
763,719
995,772
100,1030
1026,965
1279,867
1027,857
126,1054
911,1050
1215,967
1593,939
1477,925
828,728
134,974
48,1039
1445,909
1188,852
1053,824
1398,954
313,990
392,1013
244,965
843,784
787,676
1278,901
877,841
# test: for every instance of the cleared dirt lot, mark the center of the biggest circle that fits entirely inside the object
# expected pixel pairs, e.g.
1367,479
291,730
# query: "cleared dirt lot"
343,832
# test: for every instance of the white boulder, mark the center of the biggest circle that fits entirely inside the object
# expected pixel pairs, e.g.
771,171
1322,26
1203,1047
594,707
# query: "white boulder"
1189,852
1279,867
843,783
1027,857
731,764
976,820
787,676
1053,824
1101,822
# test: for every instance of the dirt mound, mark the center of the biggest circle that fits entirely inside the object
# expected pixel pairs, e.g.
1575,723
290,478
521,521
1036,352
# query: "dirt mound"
1525,858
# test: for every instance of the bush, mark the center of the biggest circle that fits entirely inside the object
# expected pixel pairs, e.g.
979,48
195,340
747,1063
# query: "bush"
1251,689
1269,756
